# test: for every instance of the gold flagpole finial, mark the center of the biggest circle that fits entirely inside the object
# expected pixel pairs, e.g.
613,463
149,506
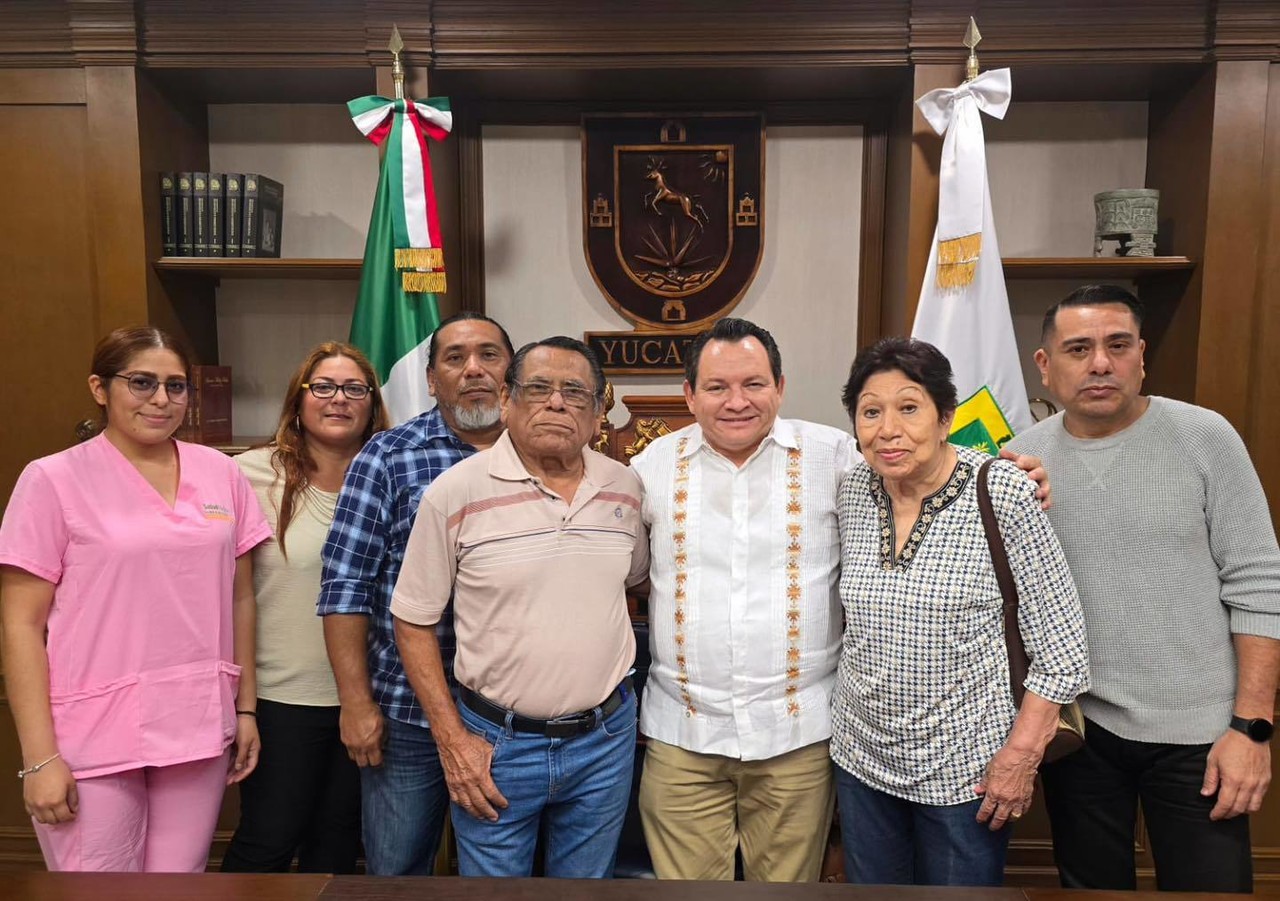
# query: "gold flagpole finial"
971,38
396,45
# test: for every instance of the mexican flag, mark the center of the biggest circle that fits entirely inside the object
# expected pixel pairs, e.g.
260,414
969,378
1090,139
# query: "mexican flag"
396,309
964,307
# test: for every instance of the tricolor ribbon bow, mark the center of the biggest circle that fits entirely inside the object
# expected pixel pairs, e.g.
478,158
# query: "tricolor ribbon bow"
954,113
406,171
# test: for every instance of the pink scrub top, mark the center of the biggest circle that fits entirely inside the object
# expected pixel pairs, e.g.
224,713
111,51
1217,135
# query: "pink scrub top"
140,641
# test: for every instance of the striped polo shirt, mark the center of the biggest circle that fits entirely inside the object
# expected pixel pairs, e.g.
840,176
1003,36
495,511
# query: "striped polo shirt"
538,583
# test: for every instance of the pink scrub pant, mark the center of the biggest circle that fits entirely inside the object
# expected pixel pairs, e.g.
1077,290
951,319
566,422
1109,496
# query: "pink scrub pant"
149,820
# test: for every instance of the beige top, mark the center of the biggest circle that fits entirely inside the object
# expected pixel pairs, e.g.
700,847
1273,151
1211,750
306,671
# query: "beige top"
293,667
538,584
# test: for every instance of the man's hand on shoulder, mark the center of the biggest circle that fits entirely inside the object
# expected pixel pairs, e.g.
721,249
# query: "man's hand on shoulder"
465,758
1239,770
1034,468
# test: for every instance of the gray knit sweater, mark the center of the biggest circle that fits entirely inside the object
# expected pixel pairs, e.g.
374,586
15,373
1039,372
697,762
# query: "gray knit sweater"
1167,532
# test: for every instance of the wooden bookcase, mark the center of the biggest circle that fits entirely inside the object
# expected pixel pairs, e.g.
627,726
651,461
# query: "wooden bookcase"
97,99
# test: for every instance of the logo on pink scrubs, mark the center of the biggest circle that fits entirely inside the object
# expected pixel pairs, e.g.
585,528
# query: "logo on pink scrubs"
217,511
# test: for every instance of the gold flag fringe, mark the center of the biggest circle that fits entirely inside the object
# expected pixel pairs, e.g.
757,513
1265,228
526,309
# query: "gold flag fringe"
419,258
958,260
956,275
422,282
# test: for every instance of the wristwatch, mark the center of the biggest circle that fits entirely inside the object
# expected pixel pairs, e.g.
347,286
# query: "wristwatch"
1257,729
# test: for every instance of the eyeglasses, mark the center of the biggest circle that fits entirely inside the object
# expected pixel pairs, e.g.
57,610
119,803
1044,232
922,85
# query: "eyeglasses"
146,386
540,392
326,390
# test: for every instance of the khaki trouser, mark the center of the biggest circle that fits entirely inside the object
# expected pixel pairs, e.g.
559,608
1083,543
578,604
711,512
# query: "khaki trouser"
697,808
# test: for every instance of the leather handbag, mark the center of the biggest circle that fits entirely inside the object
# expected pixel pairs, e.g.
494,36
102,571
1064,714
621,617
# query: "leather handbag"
1069,736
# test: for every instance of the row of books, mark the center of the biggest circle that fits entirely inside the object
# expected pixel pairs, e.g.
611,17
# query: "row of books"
217,214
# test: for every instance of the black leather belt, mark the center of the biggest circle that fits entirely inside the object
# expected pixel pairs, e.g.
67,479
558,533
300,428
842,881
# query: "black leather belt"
561,727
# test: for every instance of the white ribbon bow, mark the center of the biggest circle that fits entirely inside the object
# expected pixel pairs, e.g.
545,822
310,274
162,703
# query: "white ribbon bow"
962,192
991,91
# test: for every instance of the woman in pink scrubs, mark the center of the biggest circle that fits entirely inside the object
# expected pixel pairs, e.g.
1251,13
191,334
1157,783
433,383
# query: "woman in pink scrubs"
126,594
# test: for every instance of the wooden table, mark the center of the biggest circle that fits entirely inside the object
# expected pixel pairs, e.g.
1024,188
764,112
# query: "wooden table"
40,886
36,886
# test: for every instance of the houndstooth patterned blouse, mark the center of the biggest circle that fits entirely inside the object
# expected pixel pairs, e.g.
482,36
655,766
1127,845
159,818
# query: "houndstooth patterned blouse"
922,698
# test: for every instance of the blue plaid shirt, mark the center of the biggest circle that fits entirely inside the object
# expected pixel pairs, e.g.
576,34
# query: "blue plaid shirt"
365,548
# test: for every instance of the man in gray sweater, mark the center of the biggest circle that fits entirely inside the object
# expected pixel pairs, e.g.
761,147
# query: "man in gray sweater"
1168,534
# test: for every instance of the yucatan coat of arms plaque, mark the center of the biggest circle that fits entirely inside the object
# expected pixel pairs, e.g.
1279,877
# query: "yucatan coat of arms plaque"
674,217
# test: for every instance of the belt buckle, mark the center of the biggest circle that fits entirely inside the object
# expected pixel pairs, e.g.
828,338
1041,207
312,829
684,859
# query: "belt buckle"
565,727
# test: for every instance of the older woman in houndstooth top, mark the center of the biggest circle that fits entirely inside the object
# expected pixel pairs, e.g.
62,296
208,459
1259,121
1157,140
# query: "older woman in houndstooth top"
933,758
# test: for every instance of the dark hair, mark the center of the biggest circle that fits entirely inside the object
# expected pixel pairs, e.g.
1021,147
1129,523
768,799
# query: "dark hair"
292,457
564,343
113,353
918,360
732,331
465,316
1092,296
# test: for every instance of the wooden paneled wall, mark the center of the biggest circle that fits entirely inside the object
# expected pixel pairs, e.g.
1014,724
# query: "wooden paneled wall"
1264,379
49,291
97,97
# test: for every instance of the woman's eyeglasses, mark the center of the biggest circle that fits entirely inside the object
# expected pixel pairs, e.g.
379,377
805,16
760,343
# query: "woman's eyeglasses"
326,390
146,386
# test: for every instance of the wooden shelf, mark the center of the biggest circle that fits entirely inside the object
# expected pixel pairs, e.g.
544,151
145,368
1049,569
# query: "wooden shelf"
261,267
1014,267
240,443
1093,267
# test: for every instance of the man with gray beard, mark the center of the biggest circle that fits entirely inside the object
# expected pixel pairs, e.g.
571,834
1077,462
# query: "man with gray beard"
404,796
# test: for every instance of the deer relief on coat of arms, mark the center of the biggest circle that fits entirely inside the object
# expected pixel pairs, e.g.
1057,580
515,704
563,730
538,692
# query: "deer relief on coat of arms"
673,248
676,246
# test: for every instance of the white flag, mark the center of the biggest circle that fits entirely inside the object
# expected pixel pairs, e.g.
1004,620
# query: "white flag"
964,307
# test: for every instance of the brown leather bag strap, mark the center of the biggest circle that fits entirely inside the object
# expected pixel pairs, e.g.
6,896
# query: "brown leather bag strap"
1019,663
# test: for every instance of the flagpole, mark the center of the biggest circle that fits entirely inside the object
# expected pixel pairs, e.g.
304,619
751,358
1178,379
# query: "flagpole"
971,38
396,45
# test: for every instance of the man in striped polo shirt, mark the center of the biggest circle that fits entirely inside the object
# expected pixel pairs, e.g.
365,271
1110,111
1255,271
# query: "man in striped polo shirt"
537,540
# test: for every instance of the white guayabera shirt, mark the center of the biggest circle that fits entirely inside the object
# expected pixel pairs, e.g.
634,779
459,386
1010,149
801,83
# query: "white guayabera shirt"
744,614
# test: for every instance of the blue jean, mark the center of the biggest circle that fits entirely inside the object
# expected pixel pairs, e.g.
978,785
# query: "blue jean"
403,803
889,841
574,790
